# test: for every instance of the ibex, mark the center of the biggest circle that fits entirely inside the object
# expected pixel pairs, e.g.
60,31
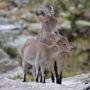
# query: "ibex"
47,55
45,14
29,50
47,36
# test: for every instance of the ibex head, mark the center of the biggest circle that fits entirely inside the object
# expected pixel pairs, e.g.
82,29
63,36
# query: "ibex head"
44,12
64,45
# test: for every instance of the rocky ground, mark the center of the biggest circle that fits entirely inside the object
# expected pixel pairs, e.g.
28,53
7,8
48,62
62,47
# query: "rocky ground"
10,69
79,82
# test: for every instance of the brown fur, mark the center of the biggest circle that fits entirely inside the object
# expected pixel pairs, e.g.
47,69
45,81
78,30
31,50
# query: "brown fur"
48,54
29,49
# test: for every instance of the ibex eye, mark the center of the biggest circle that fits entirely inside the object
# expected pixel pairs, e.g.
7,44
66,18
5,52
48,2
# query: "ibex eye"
55,32
42,13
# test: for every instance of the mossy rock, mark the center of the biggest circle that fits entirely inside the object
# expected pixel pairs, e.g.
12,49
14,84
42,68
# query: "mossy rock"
12,51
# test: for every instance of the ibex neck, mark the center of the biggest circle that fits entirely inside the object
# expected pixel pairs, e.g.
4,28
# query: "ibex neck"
49,26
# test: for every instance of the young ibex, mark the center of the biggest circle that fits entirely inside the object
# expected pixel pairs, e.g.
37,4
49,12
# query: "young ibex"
47,55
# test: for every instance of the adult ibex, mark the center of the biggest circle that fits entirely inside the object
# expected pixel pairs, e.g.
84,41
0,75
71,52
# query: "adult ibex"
45,14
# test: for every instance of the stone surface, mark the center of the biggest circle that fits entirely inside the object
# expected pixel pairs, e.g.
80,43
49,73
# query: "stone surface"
77,82
11,85
6,64
3,55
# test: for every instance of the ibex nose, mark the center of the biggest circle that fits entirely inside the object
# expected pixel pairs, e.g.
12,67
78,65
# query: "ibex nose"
72,48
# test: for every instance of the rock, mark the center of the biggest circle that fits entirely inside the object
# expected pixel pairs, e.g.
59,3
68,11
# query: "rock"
9,28
20,40
6,64
83,23
65,25
5,36
6,21
26,15
23,1
64,14
3,55
19,85
87,14
18,25
35,27
77,82
4,14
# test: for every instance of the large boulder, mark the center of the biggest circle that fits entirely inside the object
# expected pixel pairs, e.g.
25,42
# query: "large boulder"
6,64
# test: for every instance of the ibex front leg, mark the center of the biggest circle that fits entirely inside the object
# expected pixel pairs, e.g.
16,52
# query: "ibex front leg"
43,75
56,72
37,72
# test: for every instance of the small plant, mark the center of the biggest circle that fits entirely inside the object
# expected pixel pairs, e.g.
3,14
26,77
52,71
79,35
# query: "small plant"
18,76
12,52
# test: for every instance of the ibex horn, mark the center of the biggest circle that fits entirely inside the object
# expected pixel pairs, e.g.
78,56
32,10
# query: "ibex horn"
52,10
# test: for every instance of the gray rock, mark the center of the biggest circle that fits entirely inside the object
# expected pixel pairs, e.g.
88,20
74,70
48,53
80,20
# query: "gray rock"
20,40
6,21
19,85
83,23
3,13
65,25
24,1
3,55
35,27
17,25
6,64
72,83
78,81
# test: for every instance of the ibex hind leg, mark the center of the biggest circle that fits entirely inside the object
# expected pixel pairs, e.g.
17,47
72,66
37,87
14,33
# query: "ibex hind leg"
60,78
25,68
52,77
37,75
43,75
37,72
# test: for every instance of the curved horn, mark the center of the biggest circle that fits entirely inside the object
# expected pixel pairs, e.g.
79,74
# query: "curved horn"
52,9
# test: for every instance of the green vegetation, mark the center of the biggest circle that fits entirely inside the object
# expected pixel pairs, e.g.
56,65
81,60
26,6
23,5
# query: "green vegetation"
15,77
12,51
